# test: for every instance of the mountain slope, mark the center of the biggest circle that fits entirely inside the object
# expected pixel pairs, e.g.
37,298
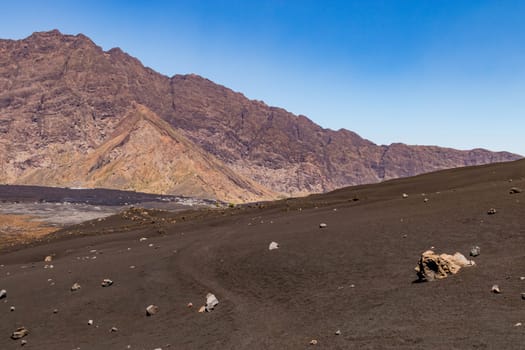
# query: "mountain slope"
145,153
61,95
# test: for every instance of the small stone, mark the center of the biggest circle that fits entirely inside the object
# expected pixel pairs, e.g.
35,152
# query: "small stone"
273,245
313,342
143,239
23,342
48,258
495,289
55,311
475,251
3,294
90,322
515,190
425,200
106,282
323,225
202,309
523,296
522,278
113,329
405,195
75,287
12,308
211,302
491,211
190,305
338,332
152,310
517,324
20,333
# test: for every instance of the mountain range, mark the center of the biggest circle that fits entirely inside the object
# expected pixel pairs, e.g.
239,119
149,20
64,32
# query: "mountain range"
72,114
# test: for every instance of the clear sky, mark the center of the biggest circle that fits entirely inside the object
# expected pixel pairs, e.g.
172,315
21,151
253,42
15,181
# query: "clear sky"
443,72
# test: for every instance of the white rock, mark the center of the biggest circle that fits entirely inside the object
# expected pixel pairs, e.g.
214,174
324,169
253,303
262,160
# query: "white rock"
152,310
323,225
3,294
106,282
75,287
273,245
211,302
90,322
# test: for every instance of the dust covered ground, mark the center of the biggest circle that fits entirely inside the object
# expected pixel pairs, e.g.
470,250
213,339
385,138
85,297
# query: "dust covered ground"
356,275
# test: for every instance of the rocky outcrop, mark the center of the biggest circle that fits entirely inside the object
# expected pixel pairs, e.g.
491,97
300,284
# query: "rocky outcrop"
68,116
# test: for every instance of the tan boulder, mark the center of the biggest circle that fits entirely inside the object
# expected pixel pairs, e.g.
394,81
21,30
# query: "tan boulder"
433,266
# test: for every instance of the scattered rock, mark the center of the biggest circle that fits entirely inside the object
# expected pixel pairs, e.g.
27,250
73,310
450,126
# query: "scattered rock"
495,289
491,211
522,278
48,258
338,332
55,311
211,302
523,296
106,282
20,333
152,310
90,322
425,200
517,324
515,190
12,308
313,342
432,266
23,342
273,245
190,305
75,287
323,225
475,251
113,329
3,294
405,195
202,309
142,239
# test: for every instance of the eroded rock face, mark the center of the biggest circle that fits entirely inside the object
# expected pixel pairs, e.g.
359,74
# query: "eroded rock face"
432,266
64,101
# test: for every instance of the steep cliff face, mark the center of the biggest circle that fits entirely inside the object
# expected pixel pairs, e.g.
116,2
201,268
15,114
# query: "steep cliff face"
64,103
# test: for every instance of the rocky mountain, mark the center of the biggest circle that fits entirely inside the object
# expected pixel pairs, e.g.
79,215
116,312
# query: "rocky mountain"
72,114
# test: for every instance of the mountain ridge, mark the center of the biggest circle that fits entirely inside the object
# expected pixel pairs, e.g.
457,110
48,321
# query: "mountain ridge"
63,93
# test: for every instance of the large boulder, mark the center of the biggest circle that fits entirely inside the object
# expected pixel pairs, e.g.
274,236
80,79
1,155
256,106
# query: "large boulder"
432,266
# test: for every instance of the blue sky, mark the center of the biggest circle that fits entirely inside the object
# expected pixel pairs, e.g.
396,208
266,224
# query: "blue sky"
443,72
